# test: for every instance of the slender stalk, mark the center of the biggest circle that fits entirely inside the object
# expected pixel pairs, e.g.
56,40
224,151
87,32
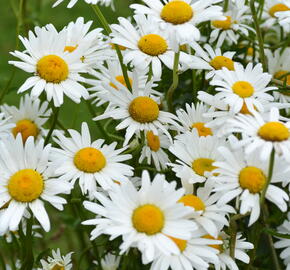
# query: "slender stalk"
2,262
259,35
29,259
53,124
108,30
226,5
270,173
174,82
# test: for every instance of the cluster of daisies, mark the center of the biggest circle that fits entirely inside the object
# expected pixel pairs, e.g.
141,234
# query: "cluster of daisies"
186,176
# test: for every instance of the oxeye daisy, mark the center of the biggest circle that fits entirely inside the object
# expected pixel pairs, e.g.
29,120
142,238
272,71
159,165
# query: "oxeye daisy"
263,132
193,118
195,156
138,110
54,70
57,261
146,44
142,217
243,87
29,118
245,176
282,12
94,2
27,182
181,17
153,150
236,18
195,253
90,162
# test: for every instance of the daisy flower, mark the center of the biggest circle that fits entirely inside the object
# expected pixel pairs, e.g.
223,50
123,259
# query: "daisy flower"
195,253
282,13
27,181
181,17
153,150
208,58
245,176
195,156
138,110
54,70
57,261
263,132
243,86
193,118
29,118
227,29
94,2
146,45
89,162
142,217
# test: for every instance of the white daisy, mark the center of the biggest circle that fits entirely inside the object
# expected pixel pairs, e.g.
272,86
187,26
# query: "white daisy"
282,12
89,162
29,118
195,156
138,110
244,176
153,150
181,17
94,2
125,213
146,45
227,29
57,261
55,71
243,86
27,182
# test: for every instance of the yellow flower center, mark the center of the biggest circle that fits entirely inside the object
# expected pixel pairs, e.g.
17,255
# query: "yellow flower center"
277,8
250,51
177,12
144,109
179,242
152,44
121,79
202,165
252,178
201,129
57,267
221,61
26,128
193,201
243,89
70,48
225,24
153,141
113,46
148,219
52,68
281,75
218,247
89,160
274,132
25,185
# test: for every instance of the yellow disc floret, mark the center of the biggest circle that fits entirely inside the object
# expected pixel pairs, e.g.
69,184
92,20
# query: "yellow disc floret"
278,8
282,75
70,48
152,44
26,128
179,242
121,79
52,68
25,185
202,165
201,129
274,132
221,61
193,201
144,109
153,141
223,24
218,247
243,89
148,219
89,160
57,267
252,178
177,12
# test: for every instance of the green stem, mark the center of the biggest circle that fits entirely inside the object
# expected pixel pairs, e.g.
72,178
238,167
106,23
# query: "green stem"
53,124
2,262
270,173
174,82
27,247
233,235
226,5
108,31
259,35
